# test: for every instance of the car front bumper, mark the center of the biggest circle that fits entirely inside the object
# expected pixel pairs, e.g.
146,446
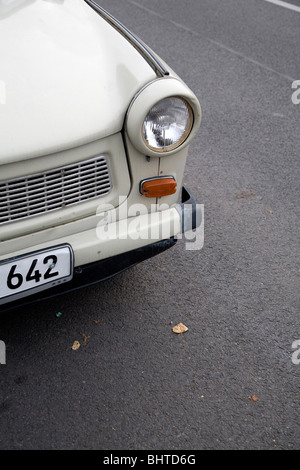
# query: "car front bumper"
186,214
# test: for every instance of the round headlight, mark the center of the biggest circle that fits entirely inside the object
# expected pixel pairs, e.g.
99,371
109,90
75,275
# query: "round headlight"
167,124
163,118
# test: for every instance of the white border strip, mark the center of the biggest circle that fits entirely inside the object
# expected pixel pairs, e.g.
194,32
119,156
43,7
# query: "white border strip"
280,3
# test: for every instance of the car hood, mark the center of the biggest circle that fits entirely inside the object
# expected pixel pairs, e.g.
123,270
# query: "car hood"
66,77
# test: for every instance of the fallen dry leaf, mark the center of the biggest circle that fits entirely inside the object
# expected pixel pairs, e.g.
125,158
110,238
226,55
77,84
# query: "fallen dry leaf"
85,338
243,194
180,328
253,398
76,345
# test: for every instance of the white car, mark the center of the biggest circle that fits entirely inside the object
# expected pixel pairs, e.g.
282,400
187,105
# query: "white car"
94,135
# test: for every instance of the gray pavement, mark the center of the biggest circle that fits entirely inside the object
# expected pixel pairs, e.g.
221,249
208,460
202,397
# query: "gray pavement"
229,382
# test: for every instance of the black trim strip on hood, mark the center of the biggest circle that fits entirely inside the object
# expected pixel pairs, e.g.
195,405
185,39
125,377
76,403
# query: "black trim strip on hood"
156,65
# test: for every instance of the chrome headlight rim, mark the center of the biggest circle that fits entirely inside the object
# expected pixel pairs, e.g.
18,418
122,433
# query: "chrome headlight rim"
151,94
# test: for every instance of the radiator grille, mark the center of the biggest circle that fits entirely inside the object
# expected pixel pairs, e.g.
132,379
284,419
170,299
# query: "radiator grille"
54,189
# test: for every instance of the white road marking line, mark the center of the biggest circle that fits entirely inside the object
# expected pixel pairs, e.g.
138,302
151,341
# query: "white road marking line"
280,3
216,43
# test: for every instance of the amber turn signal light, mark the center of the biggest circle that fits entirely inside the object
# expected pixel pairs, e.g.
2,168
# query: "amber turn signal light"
158,187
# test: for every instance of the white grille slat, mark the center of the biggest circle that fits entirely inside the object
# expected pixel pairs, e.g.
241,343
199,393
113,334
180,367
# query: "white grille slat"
67,196
73,184
15,185
54,189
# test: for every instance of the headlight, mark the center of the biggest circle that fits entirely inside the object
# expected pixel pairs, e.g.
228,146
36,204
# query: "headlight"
168,124
163,117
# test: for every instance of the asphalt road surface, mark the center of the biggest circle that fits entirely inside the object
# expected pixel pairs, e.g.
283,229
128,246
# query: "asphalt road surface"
232,380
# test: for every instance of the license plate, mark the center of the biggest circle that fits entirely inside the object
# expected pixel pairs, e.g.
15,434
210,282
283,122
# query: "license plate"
34,272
